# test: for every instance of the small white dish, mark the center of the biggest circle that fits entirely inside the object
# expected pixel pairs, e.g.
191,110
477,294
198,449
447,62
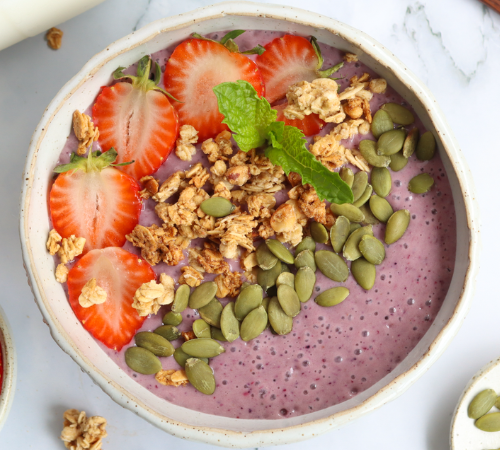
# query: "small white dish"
8,384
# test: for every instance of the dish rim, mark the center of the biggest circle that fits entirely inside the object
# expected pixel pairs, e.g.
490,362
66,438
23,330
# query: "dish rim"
9,357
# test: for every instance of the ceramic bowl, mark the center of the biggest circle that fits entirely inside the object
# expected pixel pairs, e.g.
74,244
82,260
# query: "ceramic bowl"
8,383
81,91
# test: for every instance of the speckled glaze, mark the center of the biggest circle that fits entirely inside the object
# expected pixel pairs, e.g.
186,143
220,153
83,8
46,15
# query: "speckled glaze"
8,387
50,137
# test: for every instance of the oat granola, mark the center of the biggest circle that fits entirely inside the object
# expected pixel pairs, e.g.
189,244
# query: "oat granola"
92,294
172,377
81,432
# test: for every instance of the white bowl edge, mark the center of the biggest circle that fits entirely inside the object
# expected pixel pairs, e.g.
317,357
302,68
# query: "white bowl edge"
8,387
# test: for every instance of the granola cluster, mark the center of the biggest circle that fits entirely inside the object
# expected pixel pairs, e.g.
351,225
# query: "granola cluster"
67,249
172,377
184,148
92,294
81,432
152,295
85,131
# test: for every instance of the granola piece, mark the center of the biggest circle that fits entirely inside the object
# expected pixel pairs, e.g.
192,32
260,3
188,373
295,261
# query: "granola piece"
329,219
311,205
228,284
249,261
197,175
329,151
188,335
53,242
70,248
239,197
191,197
193,254
149,240
220,190
251,275
241,158
212,150
283,219
294,179
354,107
265,230
350,57
152,295
292,237
364,128
62,273
351,92
184,148
151,187
169,187
238,175
92,294
172,377
223,140
81,432
238,232
378,85
356,159
211,260
172,253
348,129
85,131
268,181
260,205
54,38
219,168
190,276
301,217
367,110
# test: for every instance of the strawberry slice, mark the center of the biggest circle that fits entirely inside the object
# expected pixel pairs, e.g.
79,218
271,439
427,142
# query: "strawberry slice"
137,120
288,60
120,274
92,199
194,69
309,125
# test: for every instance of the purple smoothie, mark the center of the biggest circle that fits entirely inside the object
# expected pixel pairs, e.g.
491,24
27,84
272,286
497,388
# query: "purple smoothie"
333,353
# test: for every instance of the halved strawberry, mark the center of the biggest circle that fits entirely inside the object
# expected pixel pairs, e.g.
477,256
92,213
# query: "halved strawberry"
120,274
288,60
137,120
194,69
309,125
92,199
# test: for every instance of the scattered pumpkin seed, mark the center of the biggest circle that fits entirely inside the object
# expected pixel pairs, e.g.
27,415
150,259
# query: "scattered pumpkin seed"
364,273
372,249
347,210
354,227
229,324
319,233
249,299
169,332
289,300
364,197
279,250
398,162
202,295
347,176
351,247
254,324
305,280
497,403
421,183
245,285
481,403
368,149
216,334
211,313
332,265
155,343
181,356
267,278
399,114
172,318
426,147
202,348
285,278
381,181
332,296
381,208
266,260
359,184
284,268
339,232
489,422
305,258
381,123
200,375
141,360
217,207
181,298
201,329
370,219
391,142
411,142
396,226
280,322
306,244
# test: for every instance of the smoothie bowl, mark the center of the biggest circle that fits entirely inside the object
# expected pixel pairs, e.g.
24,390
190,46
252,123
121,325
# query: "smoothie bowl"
300,339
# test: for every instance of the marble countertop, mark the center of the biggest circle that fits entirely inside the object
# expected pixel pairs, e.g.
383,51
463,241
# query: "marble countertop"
452,45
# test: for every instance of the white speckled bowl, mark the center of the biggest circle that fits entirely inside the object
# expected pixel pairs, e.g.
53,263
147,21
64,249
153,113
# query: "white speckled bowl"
8,384
80,92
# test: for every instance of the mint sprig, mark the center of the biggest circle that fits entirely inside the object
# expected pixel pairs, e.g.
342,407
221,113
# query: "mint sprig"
254,122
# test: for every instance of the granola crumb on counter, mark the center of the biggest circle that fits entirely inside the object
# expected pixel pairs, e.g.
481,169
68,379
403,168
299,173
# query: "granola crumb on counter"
152,295
61,273
71,248
81,432
350,57
85,131
184,148
92,294
54,38
53,242
172,377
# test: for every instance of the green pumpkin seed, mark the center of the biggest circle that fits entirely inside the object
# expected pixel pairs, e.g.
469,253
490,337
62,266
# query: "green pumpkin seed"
280,322
332,265
319,233
142,361
489,422
305,258
305,280
399,114
229,324
284,268
201,329
347,176
200,375
249,299
369,151
381,208
347,210
481,403
497,403
181,298
202,295
332,296
364,273
285,278
426,147
359,184
411,142
381,181
254,324
289,300
354,227
217,207
245,285
398,162
216,334
266,260
181,356
351,247
306,244
172,318
155,343
372,249
211,313
339,233
396,226
202,348
169,332
381,123
391,142
421,183
265,302
364,197
370,219
279,250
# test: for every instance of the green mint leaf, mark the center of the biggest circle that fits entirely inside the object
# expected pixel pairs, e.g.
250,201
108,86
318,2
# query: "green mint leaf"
274,133
245,113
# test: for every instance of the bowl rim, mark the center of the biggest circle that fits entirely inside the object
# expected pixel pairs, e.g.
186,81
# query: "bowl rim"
9,359
376,51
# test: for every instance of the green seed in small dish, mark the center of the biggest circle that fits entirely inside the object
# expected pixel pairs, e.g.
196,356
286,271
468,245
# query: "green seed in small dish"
489,422
481,403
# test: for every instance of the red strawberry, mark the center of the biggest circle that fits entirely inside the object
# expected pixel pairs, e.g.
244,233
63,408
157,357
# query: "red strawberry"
137,120
309,125
288,60
93,200
194,69
120,274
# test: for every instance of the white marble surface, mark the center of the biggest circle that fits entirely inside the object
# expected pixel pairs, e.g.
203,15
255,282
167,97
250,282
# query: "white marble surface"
453,45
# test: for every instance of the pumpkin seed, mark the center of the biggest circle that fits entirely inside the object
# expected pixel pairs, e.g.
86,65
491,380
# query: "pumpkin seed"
181,356
426,147
254,324
339,232
217,207
202,348
249,299
155,343
284,268
481,403
420,184
391,142
347,176
497,403
370,219
229,324
351,250
305,279
364,273
169,332
279,250
266,260
286,278
332,265
306,244
201,329
289,300
410,143
347,210
396,226
372,249
319,233
489,422
381,181
381,123
398,162
359,184
354,227
368,149
305,258
399,114
211,313
200,375
216,334
142,361
280,322
202,295
364,197
332,296
381,208
265,302
181,298
172,318
245,285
